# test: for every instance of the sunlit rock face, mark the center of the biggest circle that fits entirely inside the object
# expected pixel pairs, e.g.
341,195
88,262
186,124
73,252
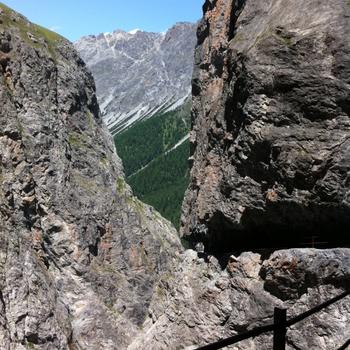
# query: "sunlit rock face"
270,141
139,74
79,255
199,303
270,166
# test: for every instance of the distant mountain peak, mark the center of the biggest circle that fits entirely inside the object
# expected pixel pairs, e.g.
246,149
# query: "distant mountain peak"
134,31
140,73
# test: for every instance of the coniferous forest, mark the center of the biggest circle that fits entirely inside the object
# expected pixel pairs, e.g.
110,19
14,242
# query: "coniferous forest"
156,162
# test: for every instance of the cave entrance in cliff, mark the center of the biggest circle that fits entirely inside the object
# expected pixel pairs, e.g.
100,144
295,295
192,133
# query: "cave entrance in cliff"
271,231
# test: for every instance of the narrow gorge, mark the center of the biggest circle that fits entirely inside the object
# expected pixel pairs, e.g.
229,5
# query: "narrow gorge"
85,265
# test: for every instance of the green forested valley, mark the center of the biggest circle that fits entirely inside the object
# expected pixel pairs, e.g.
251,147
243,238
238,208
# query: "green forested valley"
163,183
158,171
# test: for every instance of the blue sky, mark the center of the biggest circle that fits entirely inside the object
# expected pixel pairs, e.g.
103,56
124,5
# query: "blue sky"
75,18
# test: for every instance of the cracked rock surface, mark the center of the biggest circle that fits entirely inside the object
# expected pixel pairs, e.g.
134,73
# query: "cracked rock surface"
79,255
270,143
199,303
271,125
86,266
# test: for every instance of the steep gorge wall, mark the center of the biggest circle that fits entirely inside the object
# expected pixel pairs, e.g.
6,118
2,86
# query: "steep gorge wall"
271,125
79,255
270,140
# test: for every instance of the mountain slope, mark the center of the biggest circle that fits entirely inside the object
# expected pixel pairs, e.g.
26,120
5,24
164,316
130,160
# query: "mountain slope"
155,156
139,74
143,86
163,182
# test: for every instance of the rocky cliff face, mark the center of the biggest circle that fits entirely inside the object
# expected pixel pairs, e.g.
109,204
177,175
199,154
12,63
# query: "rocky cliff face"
79,255
86,266
271,125
199,303
139,73
270,167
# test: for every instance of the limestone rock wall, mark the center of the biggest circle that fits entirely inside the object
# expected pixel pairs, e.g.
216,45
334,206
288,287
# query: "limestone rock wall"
271,126
199,302
79,255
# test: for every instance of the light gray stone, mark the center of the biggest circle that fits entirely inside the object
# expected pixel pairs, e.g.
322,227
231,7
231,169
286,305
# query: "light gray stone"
79,255
199,303
140,73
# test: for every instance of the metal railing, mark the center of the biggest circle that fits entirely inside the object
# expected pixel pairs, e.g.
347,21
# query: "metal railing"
278,327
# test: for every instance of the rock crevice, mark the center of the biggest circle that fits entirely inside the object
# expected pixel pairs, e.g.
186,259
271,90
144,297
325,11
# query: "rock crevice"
85,265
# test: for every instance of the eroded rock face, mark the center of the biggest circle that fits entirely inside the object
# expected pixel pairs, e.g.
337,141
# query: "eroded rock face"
198,303
271,125
86,266
139,73
79,255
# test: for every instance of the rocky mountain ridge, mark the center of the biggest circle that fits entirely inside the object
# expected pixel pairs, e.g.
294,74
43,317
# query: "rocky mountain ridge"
143,85
139,74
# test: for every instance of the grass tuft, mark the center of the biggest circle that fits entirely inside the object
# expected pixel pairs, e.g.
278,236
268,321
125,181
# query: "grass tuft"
121,186
33,34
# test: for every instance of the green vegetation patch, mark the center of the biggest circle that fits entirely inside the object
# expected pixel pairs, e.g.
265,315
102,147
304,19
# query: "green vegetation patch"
76,140
136,204
163,183
121,185
91,121
32,34
157,174
49,36
148,139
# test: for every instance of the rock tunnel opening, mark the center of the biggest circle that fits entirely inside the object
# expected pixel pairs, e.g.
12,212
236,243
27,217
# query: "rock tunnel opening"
281,226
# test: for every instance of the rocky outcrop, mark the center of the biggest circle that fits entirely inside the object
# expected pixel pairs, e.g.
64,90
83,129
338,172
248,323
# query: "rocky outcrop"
271,126
270,166
79,255
199,303
140,73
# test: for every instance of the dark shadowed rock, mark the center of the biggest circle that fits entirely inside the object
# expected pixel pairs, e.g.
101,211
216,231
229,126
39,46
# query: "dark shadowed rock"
271,126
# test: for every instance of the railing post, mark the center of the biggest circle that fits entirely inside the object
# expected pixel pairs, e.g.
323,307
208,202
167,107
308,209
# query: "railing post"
279,334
